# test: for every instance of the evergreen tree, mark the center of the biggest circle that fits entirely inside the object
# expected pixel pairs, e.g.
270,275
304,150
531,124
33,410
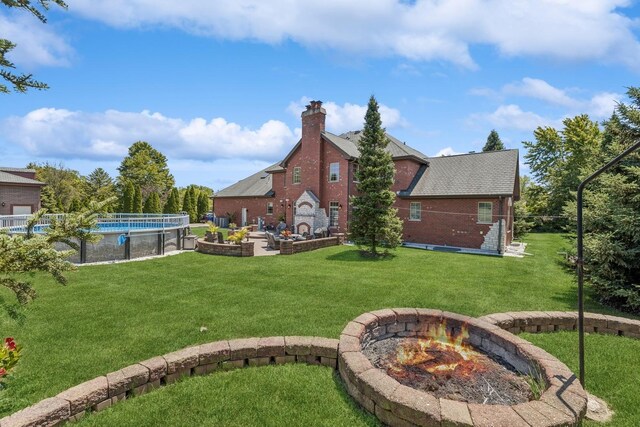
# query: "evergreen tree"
173,202
137,201
494,143
203,204
193,203
611,212
187,206
374,222
75,206
127,198
48,200
22,82
152,204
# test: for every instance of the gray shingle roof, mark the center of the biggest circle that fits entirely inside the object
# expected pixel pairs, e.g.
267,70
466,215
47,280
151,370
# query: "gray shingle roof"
488,173
348,143
257,185
6,169
9,178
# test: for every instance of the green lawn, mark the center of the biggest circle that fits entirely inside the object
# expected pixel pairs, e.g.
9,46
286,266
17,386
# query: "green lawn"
111,316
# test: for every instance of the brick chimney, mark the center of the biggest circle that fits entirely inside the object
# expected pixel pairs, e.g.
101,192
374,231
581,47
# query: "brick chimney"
313,122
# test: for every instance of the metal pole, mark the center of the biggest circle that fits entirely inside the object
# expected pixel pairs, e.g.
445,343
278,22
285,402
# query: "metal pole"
580,261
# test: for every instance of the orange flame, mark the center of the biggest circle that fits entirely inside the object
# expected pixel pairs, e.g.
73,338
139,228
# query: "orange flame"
439,350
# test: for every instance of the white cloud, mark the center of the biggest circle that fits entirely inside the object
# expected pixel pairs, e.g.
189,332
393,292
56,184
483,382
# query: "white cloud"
36,44
346,117
540,89
586,30
448,151
59,133
511,116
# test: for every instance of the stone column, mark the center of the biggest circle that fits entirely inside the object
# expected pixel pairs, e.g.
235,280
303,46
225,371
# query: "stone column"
247,248
286,247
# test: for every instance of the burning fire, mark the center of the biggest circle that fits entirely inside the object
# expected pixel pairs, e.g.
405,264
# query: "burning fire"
439,351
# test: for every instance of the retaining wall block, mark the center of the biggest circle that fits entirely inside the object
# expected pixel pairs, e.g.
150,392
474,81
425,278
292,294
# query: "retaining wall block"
349,344
388,418
406,314
85,395
157,368
244,348
379,387
178,374
354,329
213,352
271,347
186,358
555,416
259,361
367,319
385,316
454,413
297,346
495,416
428,315
325,347
418,407
47,412
127,379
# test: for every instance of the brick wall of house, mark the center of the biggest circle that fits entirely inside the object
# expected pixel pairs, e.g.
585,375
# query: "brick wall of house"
11,195
406,170
256,207
451,222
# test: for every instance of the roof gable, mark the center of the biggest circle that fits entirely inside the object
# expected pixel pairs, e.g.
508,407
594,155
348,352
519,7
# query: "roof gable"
257,185
492,173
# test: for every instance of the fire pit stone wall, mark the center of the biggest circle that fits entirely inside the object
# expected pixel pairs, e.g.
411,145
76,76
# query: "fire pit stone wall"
562,403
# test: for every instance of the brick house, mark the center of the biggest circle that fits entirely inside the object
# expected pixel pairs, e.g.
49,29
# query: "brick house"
19,191
463,201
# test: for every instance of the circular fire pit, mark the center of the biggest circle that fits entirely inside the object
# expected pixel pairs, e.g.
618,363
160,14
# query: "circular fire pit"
427,367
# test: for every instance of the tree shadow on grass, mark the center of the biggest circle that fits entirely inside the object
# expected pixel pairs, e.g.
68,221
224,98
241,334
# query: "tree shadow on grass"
356,255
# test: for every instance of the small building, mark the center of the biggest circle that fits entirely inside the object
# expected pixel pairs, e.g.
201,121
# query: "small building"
19,191
462,201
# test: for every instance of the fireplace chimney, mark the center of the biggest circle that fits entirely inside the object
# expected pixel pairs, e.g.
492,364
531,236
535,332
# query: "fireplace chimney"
311,158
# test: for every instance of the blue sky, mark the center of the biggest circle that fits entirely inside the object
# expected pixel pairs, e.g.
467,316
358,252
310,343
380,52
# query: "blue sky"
218,86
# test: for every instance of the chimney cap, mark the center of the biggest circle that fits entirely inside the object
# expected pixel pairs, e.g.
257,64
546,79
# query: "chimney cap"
313,107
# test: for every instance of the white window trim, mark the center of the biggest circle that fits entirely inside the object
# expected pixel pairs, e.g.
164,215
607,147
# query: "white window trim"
419,218
337,175
485,222
293,175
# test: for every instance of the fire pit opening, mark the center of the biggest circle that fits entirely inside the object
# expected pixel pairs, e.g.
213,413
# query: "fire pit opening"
428,367
441,361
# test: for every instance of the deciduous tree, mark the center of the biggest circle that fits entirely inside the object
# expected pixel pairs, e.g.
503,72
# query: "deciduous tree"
146,168
375,222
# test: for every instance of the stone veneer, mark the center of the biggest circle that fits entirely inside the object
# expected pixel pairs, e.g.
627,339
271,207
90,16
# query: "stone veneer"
244,249
140,378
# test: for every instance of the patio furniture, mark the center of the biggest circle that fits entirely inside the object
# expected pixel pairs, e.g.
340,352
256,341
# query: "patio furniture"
272,241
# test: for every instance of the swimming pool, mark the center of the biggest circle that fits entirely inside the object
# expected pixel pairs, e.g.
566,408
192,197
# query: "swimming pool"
125,236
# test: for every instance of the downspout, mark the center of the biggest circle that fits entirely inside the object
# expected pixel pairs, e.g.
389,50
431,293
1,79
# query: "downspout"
349,181
500,246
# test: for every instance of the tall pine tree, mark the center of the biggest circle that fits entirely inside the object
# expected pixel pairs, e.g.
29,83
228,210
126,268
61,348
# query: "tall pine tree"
375,222
203,204
137,201
127,197
494,143
152,204
173,202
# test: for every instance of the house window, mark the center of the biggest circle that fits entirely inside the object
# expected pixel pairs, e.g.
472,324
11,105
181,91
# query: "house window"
296,175
415,211
334,209
334,172
269,208
485,212
356,169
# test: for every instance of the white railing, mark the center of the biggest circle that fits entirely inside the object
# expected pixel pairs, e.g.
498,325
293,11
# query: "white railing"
130,221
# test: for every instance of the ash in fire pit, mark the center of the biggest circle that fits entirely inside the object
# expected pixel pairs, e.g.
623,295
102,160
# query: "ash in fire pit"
442,363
